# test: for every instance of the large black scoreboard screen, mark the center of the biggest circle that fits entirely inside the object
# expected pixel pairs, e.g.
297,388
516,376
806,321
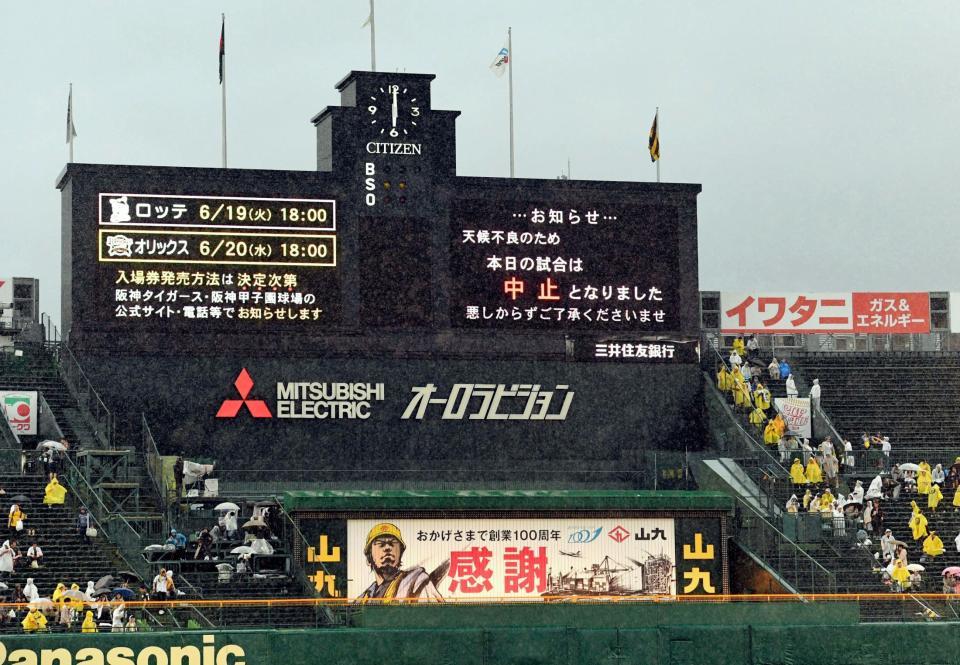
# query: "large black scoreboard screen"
568,262
212,262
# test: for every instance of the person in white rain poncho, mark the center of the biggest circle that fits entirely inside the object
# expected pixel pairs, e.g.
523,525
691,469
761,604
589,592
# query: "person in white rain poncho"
875,491
791,387
815,393
30,591
857,494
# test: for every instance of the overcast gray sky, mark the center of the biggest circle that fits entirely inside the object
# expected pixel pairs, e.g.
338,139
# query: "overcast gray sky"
825,134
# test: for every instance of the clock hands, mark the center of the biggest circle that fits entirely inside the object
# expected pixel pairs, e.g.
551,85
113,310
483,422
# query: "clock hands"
393,110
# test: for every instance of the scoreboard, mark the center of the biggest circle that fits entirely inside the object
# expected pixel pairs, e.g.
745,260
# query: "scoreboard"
383,237
385,311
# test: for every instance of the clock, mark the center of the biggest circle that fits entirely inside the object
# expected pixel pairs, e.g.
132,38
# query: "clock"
393,111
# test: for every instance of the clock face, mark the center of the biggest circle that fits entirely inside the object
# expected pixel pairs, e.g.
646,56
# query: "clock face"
393,111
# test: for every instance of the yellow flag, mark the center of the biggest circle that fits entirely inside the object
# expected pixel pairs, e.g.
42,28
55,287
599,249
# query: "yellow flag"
654,144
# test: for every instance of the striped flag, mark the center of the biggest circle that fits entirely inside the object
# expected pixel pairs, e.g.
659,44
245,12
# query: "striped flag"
71,130
499,64
654,143
223,26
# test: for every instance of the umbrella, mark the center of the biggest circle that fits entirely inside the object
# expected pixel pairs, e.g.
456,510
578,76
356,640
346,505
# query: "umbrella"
267,502
104,582
951,570
41,604
126,594
791,433
226,505
73,594
20,498
243,549
255,524
915,568
101,592
128,575
55,445
909,466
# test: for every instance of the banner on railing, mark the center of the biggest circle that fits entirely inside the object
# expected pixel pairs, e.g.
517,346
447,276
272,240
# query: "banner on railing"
493,559
796,413
20,409
845,312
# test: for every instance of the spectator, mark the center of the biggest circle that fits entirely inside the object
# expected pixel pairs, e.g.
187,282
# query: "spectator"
793,506
34,621
797,475
773,369
118,615
857,494
747,372
753,347
815,394
791,386
17,518
956,541
807,451
30,592
204,543
8,556
932,545
924,479
784,369
917,523
178,475
831,468
934,497
84,524
724,380
937,476
170,586
758,418
734,359
35,554
89,625
878,516
230,525
886,447
160,585
739,346
178,540
875,491
807,499
888,544
131,626
54,493
868,517
762,396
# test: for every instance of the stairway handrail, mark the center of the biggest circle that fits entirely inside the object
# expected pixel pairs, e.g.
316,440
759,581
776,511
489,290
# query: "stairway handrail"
101,416
779,535
106,518
151,457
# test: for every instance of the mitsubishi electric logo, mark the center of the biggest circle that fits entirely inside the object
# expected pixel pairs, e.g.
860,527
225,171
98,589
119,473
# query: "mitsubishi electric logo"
231,407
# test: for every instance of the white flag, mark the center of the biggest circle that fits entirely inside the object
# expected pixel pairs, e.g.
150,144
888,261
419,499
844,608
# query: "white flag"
367,22
499,64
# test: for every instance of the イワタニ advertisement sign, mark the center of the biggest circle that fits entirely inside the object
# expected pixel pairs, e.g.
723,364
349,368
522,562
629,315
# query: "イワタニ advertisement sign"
846,312
796,413
954,311
20,409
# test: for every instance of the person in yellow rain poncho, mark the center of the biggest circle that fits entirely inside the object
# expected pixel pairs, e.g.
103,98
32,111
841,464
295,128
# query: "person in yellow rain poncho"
901,575
797,475
739,346
724,380
770,435
58,592
923,480
917,523
807,497
758,418
76,602
761,395
34,621
813,473
780,424
54,493
89,625
16,515
739,387
933,546
826,502
934,497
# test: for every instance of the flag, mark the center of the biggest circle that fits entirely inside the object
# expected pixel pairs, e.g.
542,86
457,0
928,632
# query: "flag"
368,21
654,144
223,52
499,64
71,130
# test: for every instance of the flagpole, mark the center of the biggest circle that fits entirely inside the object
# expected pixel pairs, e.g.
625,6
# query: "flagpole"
373,40
510,68
223,93
658,148
70,132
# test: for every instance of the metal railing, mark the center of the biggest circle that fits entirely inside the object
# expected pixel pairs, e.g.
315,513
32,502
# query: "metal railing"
129,542
796,567
10,448
297,543
92,406
153,461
